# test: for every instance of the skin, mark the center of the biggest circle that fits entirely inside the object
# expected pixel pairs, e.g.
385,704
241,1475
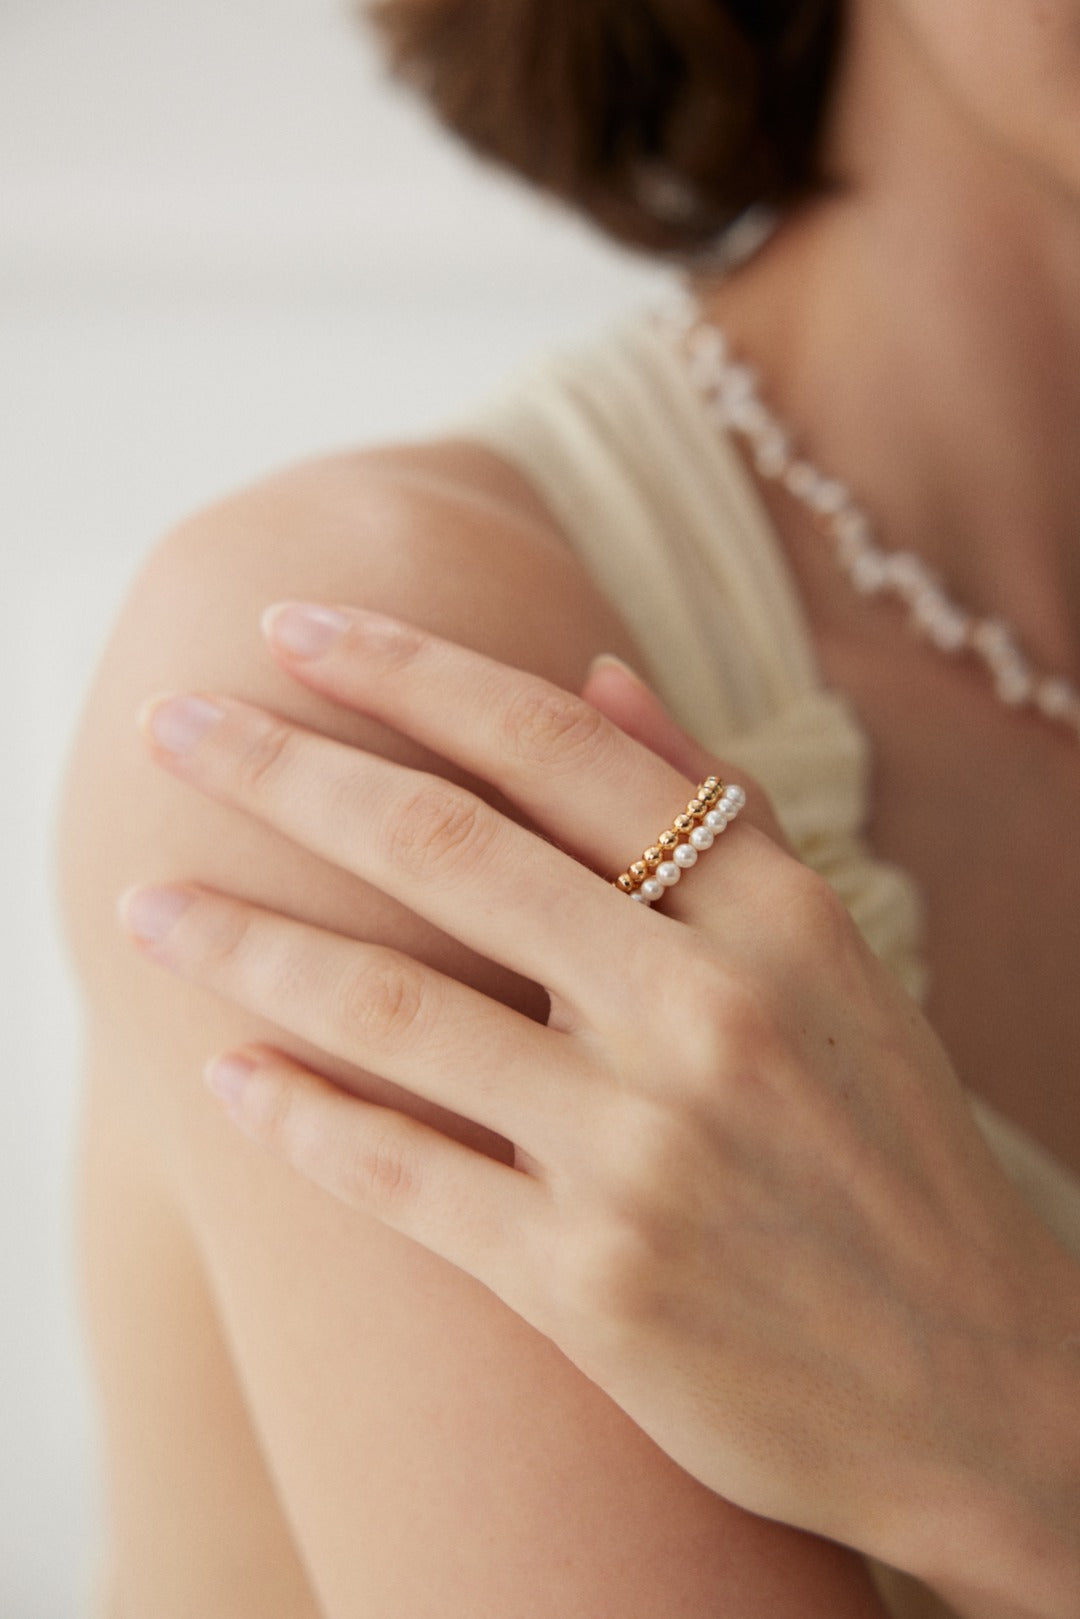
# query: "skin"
679,1217
948,265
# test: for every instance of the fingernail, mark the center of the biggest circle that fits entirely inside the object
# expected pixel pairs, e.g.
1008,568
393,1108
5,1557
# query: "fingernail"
608,660
303,630
151,913
227,1076
178,723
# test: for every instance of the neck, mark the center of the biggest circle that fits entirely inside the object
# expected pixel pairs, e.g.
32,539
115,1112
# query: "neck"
920,331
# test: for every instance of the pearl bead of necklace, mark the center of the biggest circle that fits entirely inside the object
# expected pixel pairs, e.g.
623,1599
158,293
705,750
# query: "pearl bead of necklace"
729,391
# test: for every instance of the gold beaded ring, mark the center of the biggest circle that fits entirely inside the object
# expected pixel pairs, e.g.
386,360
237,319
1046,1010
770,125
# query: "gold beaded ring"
677,848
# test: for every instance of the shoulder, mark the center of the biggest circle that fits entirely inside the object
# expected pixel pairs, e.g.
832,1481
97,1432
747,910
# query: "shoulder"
446,530
445,534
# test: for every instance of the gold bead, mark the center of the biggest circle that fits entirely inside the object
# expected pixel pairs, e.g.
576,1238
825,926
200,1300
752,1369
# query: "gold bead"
626,883
696,807
683,823
667,840
653,856
714,781
638,871
708,795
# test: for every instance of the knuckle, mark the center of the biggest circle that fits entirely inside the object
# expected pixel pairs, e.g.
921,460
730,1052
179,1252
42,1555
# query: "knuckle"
654,1149
383,1001
701,1009
275,1121
749,1032
547,726
225,935
627,1245
719,1026
816,917
439,828
398,643
382,1172
611,1272
267,757
742,1041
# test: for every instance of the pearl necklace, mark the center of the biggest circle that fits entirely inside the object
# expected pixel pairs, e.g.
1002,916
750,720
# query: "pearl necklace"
729,392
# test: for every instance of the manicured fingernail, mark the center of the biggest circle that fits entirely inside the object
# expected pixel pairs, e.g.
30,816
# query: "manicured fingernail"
178,723
302,630
608,660
228,1076
151,913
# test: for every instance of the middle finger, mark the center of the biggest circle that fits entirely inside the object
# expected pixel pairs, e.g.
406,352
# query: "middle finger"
439,849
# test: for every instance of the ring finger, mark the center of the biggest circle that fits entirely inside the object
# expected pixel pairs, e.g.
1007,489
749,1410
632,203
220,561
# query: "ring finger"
429,843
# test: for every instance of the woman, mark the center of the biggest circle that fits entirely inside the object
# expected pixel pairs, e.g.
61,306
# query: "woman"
805,1344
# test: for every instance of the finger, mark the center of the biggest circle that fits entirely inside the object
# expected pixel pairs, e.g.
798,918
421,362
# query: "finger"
620,693
374,1007
596,790
428,842
614,688
486,1218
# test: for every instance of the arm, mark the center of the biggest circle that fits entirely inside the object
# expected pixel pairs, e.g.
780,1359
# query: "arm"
429,1451
1003,1541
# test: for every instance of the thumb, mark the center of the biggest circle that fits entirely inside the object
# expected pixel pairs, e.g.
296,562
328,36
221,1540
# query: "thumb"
614,688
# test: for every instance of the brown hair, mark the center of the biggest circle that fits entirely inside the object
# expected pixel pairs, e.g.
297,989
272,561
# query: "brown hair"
662,119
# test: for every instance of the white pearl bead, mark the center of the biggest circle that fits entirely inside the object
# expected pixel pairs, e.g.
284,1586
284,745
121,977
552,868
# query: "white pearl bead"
868,571
852,527
651,889
708,345
685,855
1055,697
993,639
668,873
828,497
950,629
907,574
705,356
1014,685
702,838
639,896
801,479
928,608
738,382
772,452
715,820
735,795
748,415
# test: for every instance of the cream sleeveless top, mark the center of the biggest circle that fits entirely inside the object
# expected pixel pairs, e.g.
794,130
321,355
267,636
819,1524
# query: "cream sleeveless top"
660,508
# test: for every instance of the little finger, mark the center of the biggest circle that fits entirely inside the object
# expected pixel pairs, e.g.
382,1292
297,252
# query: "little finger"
371,1006
488,1219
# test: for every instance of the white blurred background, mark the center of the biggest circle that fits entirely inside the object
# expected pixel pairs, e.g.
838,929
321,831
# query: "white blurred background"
224,244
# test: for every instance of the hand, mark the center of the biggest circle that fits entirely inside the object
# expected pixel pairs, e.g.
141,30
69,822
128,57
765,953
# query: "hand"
748,1200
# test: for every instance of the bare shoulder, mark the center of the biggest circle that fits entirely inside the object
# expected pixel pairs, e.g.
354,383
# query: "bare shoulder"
445,534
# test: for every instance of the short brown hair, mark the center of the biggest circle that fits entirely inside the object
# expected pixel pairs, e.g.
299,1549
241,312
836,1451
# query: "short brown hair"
661,119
